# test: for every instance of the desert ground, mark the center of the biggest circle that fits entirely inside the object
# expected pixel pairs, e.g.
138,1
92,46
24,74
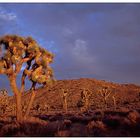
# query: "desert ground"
117,116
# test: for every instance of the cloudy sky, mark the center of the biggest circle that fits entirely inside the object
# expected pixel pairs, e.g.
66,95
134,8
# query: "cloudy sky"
99,41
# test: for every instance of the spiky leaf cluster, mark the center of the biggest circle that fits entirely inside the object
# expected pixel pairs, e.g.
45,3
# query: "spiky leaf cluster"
16,51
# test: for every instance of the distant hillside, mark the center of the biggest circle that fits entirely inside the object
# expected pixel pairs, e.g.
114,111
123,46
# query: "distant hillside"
126,95
124,120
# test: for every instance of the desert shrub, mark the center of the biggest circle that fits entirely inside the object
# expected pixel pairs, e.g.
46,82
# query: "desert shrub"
80,119
5,119
124,109
20,134
96,128
41,108
133,116
10,129
91,125
67,123
125,123
98,115
3,101
126,102
1,125
130,127
33,129
53,127
119,113
56,117
112,121
100,124
78,130
29,127
80,104
62,133
35,119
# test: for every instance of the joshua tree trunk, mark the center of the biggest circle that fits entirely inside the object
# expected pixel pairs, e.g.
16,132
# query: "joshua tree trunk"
114,102
105,102
30,104
17,95
86,104
65,106
18,107
64,95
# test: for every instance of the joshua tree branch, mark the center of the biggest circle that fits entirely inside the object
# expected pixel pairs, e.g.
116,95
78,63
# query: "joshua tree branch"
107,94
19,65
24,75
31,99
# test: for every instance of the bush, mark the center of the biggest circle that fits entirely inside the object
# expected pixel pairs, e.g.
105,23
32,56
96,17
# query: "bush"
10,129
62,133
133,116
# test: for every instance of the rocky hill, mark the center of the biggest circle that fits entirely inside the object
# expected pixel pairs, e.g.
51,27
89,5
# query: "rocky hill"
126,95
99,120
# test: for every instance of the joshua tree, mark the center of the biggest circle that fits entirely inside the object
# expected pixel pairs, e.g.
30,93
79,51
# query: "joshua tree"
114,101
64,94
46,107
105,92
85,98
23,55
114,96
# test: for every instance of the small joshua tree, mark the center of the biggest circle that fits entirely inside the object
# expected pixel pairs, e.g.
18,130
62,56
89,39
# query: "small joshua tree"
16,51
46,107
114,97
85,98
64,94
3,100
105,92
114,102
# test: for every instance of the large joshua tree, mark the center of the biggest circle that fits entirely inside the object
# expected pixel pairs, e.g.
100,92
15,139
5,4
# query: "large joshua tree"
24,55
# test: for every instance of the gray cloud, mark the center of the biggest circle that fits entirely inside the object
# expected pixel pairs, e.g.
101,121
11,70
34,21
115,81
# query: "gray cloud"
89,40
4,15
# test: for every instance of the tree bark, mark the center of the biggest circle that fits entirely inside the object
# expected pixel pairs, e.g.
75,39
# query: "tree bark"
86,104
65,106
30,104
23,82
105,102
17,95
114,102
19,107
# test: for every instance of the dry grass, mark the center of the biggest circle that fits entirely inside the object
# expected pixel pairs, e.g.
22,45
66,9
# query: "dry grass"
75,125
124,121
